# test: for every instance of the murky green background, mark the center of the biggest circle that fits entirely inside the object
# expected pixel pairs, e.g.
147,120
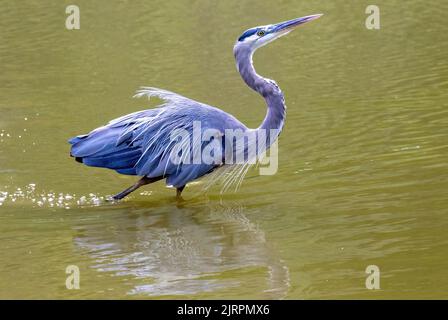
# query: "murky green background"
363,172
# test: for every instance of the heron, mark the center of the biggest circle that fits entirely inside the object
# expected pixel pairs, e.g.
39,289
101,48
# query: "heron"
141,143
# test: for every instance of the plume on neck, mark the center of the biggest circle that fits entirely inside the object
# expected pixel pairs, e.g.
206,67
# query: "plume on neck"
276,108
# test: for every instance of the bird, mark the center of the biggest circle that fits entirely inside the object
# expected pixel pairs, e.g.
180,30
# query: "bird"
141,143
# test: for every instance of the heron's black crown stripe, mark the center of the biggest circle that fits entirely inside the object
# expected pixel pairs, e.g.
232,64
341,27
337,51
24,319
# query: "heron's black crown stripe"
247,33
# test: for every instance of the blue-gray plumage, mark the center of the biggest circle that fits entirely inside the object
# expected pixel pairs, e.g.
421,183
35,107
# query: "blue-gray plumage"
141,144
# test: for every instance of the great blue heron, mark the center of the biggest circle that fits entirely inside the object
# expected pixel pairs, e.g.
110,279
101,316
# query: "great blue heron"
141,143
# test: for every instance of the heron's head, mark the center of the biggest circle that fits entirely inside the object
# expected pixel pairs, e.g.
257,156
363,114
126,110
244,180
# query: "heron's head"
257,37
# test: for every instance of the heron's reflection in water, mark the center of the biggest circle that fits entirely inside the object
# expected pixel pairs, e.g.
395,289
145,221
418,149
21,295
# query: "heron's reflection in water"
186,249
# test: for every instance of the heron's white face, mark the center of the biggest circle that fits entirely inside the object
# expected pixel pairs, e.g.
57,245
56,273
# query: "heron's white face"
256,37
260,36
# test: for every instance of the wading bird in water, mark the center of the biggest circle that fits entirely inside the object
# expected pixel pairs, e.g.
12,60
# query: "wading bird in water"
140,143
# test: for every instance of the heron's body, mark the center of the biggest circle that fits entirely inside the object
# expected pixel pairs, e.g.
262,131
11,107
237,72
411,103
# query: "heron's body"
141,143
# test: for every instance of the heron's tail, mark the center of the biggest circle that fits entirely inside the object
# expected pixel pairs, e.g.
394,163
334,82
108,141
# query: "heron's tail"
100,149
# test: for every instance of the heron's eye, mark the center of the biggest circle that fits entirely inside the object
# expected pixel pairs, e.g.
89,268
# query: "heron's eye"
260,33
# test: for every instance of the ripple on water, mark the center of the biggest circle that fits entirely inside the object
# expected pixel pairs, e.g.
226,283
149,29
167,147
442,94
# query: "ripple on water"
31,195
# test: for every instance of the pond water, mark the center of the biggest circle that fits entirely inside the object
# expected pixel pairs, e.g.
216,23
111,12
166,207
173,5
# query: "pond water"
362,177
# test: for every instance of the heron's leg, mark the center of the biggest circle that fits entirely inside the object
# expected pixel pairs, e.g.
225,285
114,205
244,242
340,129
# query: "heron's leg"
141,182
179,192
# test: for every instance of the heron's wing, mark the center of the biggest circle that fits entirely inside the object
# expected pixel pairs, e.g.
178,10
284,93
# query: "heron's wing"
141,143
184,114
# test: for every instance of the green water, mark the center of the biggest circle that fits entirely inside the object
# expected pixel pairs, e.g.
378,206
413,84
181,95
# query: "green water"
362,177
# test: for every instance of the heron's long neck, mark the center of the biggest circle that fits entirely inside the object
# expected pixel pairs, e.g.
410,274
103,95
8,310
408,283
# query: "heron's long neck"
276,113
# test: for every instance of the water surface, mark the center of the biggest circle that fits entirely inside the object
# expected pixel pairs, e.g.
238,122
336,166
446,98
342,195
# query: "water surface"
362,176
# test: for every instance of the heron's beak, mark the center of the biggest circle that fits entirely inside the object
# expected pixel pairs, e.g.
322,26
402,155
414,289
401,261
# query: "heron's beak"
275,31
285,27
